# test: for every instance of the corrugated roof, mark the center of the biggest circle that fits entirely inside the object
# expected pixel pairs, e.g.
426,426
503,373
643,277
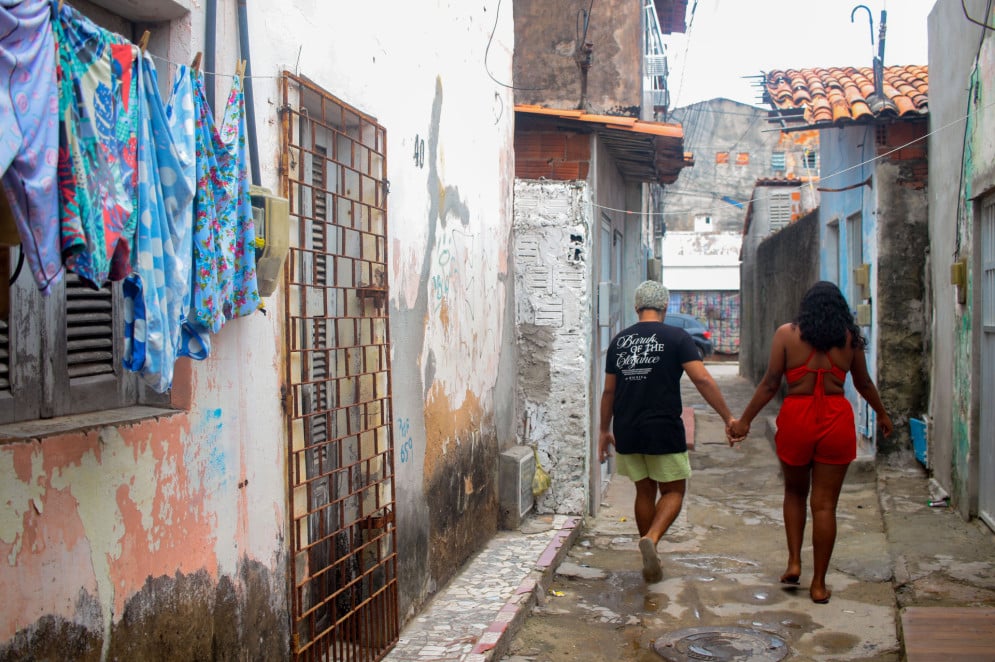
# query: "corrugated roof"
645,151
842,95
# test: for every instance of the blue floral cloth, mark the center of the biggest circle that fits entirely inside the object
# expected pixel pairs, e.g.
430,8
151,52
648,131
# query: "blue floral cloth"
157,290
224,259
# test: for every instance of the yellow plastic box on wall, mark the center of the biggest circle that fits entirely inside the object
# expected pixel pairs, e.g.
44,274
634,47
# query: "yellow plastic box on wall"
271,215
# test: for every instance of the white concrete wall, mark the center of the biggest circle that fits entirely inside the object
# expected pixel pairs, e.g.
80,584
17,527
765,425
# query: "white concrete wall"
554,314
424,70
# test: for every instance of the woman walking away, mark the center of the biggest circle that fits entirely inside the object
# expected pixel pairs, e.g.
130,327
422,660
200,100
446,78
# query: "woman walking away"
816,437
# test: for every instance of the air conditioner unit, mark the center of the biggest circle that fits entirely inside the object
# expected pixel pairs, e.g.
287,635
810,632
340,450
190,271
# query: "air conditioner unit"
516,468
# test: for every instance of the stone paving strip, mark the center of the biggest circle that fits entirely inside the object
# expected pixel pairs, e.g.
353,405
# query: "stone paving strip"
475,616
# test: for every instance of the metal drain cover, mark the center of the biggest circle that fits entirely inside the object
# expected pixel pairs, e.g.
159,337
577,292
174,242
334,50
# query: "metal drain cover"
720,644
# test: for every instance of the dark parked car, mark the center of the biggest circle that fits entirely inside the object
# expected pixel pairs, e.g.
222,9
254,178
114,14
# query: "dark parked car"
699,333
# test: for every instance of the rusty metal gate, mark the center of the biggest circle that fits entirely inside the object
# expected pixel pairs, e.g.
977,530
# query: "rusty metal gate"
343,566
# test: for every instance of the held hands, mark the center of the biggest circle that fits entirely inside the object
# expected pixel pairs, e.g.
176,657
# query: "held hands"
736,431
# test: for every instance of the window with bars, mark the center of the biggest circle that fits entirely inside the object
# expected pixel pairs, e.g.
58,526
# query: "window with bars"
778,162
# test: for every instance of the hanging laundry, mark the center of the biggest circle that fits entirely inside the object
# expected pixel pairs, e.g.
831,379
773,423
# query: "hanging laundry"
224,261
97,145
181,116
157,289
30,136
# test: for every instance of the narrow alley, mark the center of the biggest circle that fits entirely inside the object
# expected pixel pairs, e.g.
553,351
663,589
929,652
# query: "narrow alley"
720,599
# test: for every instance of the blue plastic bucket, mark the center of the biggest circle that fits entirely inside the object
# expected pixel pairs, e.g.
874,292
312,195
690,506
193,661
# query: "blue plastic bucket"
918,428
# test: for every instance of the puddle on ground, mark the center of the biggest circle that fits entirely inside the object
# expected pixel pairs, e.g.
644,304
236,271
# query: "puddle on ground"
713,563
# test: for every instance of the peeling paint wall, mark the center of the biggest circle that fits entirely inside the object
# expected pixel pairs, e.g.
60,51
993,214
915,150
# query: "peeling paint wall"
553,276
167,537
964,156
450,166
116,538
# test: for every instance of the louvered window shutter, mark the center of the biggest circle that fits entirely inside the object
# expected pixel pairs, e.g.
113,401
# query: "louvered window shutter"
61,355
89,329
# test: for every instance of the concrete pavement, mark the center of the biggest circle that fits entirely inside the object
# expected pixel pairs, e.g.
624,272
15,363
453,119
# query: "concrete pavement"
721,559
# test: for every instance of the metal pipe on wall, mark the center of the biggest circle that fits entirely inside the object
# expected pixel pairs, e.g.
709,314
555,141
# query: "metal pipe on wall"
210,45
250,108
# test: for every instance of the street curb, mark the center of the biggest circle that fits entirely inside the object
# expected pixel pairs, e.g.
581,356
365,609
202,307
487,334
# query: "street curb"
495,640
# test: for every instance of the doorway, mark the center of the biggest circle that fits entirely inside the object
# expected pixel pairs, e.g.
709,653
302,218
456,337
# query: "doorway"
337,393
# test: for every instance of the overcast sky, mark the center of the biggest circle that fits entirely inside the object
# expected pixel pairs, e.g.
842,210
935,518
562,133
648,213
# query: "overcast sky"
729,39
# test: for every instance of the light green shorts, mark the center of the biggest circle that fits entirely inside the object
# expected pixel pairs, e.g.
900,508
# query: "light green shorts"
661,468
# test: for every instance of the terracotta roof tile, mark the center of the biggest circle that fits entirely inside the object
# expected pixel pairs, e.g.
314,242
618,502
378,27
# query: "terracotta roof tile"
643,150
839,95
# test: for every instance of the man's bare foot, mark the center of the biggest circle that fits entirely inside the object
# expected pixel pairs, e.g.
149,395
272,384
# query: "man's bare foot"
820,596
792,575
652,572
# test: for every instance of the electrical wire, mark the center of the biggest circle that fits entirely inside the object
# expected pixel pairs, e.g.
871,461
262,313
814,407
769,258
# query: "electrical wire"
497,14
822,179
988,12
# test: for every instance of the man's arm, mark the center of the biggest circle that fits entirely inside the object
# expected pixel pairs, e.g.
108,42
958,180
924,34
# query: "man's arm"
606,440
709,390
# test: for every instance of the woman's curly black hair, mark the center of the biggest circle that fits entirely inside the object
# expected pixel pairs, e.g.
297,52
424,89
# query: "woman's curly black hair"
824,317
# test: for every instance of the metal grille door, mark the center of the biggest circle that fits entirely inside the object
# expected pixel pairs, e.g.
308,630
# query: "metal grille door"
986,444
344,564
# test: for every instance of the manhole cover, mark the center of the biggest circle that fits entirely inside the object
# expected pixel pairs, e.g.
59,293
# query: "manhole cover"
720,643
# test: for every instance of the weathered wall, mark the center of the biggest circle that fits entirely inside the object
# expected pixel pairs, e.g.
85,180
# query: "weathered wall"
902,314
785,266
450,159
553,313
724,126
163,536
167,536
965,156
546,48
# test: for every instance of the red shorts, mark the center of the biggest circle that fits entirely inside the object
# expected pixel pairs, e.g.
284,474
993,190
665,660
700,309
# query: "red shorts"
816,427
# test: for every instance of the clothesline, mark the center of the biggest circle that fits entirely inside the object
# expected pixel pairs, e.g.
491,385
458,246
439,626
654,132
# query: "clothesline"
210,73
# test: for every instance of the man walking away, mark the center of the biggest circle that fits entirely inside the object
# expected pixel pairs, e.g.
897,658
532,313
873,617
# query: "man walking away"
641,415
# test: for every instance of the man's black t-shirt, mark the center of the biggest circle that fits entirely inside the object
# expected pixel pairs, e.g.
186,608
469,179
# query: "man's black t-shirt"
647,360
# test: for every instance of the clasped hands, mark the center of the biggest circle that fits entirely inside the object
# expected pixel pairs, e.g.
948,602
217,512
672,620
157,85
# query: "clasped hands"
736,431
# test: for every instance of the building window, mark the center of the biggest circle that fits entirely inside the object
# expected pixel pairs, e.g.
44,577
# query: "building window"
777,162
779,204
722,157
64,353
60,355
743,158
811,159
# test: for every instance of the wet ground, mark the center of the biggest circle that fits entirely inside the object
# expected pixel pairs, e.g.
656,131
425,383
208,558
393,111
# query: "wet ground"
720,598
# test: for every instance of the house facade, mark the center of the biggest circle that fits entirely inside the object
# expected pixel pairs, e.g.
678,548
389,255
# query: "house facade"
300,492
700,226
588,146
961,277
872,220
